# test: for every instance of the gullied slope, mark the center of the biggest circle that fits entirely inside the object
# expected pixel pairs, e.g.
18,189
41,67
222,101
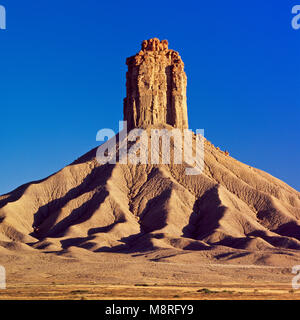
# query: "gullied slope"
131,208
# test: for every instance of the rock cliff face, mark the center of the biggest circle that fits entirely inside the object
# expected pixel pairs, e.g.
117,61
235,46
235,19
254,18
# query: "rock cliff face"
156,87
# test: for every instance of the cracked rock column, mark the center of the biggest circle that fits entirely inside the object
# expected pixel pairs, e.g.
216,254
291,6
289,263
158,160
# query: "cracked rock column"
156,87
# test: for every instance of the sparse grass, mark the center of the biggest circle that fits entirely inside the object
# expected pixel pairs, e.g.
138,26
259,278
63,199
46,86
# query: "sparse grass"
227,291
90,292
206,291
292,291
79,291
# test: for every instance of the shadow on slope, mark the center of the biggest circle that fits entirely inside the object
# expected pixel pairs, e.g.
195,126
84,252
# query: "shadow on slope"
45,218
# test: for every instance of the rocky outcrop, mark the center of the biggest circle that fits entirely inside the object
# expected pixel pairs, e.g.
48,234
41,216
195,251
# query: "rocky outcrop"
156,87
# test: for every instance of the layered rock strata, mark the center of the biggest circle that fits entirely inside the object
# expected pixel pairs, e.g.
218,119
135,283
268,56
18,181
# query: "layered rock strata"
156,87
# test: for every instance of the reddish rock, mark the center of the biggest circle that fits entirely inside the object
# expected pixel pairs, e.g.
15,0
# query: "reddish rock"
156,87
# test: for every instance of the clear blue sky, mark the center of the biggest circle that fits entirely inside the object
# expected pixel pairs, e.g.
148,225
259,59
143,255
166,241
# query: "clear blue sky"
62,67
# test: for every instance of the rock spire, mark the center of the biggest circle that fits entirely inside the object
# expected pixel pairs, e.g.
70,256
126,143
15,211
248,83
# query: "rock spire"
156,87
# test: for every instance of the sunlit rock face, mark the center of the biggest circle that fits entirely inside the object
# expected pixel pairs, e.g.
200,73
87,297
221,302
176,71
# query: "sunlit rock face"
156,87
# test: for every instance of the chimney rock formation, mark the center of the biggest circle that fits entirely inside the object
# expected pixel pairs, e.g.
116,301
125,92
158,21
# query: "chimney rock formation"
156,87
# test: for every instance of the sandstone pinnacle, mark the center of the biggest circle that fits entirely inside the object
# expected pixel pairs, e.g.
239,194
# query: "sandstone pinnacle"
156,87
